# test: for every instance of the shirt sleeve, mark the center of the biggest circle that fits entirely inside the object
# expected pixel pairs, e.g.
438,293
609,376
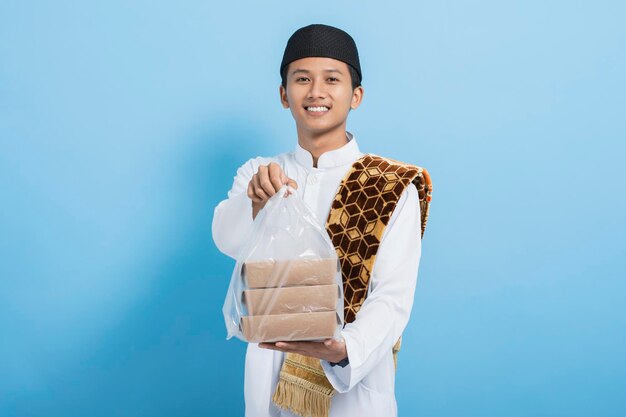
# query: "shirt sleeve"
232,217
386,310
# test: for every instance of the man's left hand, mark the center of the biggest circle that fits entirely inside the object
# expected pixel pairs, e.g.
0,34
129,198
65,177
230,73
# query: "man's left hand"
330,350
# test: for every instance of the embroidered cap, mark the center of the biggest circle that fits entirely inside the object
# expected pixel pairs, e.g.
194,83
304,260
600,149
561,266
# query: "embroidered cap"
322,41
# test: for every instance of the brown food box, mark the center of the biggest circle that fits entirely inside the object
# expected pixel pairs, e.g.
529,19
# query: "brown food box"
285,300
269,273
289,327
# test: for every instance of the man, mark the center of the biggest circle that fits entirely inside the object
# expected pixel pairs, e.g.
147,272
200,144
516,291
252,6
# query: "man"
321,84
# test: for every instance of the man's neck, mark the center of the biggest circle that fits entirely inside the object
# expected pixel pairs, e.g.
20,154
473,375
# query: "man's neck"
318,144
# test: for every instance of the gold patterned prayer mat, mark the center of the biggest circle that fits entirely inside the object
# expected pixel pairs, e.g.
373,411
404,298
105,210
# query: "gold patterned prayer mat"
359,214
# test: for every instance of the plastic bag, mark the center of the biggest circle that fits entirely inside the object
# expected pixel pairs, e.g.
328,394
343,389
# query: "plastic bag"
287,284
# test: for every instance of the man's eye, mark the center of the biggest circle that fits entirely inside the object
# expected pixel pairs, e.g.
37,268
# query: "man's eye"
333,79
301,78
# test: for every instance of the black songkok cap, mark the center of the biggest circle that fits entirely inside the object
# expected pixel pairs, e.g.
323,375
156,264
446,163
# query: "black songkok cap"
323,41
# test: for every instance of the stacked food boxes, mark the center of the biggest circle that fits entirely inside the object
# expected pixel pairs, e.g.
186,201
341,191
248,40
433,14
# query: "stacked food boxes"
290,300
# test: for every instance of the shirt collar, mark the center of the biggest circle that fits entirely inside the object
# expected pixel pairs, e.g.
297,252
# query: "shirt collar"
346,154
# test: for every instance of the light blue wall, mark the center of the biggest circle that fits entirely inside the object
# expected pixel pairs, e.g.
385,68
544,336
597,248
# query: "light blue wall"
122,125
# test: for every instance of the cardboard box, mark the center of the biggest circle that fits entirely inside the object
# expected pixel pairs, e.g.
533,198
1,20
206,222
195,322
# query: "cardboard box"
270,273
289,327
301,299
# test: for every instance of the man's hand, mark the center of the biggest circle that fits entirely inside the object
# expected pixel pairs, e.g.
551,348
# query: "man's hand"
265,183
330,350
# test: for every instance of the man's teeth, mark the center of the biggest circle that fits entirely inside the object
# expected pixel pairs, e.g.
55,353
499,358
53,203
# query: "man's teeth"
322,108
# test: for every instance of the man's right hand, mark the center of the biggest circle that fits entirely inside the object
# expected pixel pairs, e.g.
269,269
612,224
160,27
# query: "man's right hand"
265,183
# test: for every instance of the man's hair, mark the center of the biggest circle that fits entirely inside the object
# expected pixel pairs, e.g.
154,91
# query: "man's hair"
354,76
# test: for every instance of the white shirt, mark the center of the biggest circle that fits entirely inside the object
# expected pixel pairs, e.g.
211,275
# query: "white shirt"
365,387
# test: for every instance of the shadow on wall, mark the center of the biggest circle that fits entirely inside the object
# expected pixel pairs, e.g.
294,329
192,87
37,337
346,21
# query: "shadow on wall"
170,356
167,355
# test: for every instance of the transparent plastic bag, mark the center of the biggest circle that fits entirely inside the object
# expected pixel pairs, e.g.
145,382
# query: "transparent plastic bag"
287,284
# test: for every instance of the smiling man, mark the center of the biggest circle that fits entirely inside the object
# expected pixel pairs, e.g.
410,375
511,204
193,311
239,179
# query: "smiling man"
373,215
321,92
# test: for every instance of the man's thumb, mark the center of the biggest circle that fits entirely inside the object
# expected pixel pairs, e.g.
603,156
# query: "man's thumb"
292,183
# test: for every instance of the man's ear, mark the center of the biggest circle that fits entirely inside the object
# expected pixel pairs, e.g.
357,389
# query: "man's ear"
283,96
357,97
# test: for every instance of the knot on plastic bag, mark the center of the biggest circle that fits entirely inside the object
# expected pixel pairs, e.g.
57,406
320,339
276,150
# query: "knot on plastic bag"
286,190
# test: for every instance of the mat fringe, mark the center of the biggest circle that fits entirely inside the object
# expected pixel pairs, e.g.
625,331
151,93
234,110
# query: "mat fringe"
300,396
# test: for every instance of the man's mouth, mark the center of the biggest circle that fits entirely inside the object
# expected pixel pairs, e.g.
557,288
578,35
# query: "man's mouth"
317,109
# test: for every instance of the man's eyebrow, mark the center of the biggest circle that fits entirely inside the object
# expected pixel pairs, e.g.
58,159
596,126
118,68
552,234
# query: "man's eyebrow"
297,70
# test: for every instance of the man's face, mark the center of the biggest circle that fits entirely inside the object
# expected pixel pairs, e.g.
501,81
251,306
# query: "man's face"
319,93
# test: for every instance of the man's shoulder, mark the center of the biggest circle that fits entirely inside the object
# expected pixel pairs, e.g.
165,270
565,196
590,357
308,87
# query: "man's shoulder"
389,161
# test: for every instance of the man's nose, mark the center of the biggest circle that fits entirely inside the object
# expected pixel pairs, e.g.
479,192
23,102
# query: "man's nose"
317,88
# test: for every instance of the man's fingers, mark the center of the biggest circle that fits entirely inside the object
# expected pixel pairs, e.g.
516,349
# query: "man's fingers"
334,344
292,183
301,346
264,180
282,348
251,194
276,175
258,190
318,350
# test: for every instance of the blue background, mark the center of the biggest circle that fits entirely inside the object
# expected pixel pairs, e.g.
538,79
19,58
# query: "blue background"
122,125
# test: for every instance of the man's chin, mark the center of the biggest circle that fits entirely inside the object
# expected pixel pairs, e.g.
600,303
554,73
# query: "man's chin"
317,131
317,128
